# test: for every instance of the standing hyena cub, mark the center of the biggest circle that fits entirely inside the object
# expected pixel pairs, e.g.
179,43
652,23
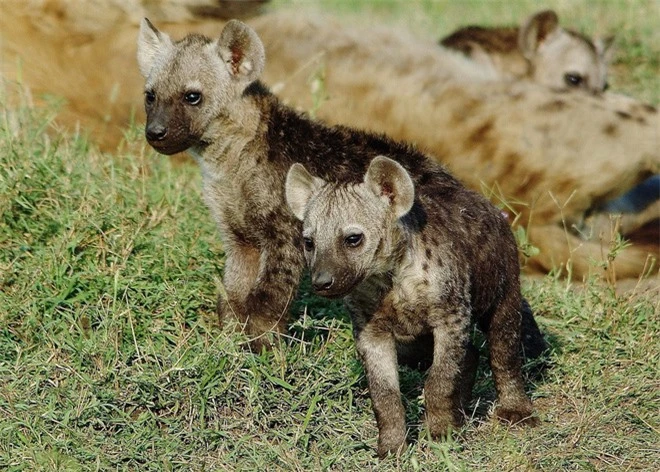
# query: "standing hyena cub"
409,264
539,50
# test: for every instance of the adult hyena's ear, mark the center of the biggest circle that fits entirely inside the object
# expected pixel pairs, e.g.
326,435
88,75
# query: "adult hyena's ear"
242,50
151,44
299,187
388,178
536,29
604,48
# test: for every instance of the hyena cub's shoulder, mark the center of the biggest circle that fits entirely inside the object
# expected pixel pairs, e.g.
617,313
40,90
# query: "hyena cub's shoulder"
539,50
413,263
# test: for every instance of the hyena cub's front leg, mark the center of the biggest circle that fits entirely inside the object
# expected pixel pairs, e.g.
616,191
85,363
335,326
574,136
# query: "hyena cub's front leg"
377,350
259,287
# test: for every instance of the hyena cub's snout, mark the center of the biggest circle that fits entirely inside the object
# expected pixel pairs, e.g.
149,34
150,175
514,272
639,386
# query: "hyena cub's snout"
328,278
168,128
155,131
334,282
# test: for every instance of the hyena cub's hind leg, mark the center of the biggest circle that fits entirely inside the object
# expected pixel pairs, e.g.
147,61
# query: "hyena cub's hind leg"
514,406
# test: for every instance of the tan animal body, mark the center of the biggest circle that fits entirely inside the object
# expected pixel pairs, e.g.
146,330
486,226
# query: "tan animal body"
554,157
539,50
412,262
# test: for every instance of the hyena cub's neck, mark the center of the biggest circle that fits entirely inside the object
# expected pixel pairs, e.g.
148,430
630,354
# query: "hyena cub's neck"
238,135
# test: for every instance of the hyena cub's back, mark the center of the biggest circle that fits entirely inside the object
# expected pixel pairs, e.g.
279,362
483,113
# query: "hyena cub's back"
409,266
539,50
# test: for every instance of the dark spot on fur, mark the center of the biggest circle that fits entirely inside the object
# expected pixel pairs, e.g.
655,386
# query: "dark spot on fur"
227,10
641,120
623,115
416,218
434,241
555,105
650,108
423,238
425,267
611,129
428,253
481,133
425,178
440,263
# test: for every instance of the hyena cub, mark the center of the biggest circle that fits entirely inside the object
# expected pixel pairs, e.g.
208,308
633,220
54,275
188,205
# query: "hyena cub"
412,263
539,50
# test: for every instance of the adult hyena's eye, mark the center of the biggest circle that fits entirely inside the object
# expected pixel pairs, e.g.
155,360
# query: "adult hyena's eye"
354,240
309,244
149,97
573,80
193,98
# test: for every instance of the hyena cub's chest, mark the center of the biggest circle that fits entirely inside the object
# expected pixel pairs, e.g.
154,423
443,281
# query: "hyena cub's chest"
244,201
402,299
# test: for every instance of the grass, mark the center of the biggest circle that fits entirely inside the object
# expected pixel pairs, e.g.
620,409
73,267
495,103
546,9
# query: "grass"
111,357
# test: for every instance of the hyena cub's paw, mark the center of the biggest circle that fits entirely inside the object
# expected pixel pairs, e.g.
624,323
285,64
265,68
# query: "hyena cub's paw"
441,425
522,415
391,442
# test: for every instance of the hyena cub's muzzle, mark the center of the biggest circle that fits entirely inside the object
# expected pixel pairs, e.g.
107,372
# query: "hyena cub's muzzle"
332,283
167,132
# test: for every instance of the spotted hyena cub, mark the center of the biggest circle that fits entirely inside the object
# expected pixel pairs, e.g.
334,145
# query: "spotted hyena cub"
539,50
412,264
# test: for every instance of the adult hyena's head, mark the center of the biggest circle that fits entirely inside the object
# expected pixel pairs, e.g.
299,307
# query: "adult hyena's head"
191,82
349,230
561,58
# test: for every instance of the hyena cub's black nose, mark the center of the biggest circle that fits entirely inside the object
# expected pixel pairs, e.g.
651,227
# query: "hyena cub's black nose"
322,281
156,132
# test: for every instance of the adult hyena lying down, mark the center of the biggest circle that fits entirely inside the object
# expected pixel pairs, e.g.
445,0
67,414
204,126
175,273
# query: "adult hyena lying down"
538,50
412,262
203,96
517,141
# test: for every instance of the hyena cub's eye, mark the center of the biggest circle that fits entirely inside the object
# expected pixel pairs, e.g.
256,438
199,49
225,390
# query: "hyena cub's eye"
573,80
354,240
193,98
149,97
309,244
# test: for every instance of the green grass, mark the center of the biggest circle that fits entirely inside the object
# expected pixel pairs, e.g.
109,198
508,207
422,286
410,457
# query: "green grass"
111,357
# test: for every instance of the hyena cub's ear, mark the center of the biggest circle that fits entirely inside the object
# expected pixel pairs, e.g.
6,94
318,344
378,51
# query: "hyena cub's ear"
536,29
242,50
299,187
388,178
151,44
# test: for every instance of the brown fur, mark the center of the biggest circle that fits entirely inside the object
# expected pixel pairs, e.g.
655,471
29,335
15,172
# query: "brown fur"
539,50
413,261
546,167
